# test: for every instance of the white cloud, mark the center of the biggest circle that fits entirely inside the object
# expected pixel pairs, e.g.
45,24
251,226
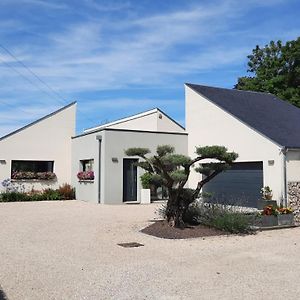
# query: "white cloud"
154,50
41,3
84,57
108,6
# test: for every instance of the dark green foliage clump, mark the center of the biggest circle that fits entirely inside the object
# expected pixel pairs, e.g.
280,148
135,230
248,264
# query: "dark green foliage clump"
146,180
137,151
275,68
13,197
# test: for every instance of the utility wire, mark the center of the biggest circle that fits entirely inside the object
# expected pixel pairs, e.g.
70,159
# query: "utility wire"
24,77
36,76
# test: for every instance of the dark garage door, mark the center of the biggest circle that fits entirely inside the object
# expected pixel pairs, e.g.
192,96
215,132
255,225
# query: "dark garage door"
239,186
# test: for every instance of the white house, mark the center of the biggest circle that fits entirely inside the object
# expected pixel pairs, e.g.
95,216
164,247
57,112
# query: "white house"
262,129
43,146
117,178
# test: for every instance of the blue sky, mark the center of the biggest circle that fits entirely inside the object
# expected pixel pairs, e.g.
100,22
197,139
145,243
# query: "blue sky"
117,58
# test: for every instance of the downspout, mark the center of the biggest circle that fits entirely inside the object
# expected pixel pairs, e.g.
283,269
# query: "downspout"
99,138
284,151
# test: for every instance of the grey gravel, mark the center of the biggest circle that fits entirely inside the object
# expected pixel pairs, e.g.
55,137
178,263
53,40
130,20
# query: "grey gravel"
68,250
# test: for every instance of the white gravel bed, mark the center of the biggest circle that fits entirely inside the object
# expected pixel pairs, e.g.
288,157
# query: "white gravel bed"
68,250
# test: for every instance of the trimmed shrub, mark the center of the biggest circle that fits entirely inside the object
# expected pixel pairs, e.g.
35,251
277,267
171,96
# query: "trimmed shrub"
146,180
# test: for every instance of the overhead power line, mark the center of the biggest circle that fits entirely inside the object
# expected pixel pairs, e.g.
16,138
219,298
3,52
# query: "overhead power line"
33,73
59,97
26,78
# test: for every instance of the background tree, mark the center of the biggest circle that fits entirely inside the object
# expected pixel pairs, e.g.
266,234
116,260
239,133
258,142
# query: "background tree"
275,69
172,171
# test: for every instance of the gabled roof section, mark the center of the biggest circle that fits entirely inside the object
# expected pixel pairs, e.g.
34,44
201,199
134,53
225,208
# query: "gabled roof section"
129,118
37,121
272,117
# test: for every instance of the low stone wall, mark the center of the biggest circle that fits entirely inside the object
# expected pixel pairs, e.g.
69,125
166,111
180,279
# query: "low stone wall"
294,199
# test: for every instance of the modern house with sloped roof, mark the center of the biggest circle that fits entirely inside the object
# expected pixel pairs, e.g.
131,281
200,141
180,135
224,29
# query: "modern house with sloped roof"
262,129
47,153
38,156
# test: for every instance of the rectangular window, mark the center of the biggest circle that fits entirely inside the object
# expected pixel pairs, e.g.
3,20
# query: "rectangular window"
87,165
31,166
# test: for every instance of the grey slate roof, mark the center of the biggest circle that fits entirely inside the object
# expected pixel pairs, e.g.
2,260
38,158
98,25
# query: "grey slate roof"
276,119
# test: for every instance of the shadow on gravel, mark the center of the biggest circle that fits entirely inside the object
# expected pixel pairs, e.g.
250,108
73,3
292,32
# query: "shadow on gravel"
2,295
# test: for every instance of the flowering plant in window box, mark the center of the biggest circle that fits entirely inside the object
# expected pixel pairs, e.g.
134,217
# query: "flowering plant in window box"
86,175
19,175
46,175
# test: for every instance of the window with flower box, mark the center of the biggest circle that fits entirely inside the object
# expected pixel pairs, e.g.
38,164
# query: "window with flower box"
87,165
32,169
86,170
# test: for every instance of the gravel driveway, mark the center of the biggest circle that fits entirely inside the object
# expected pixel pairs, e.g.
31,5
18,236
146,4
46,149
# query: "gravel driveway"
68,250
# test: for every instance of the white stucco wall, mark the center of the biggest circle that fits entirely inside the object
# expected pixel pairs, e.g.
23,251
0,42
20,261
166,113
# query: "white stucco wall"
48,140
114,143
87,147
165,124
293,165
207,124
147,122
154,120
117,142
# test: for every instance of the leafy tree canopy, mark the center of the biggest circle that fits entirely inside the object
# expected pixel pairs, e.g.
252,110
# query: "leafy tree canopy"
274,68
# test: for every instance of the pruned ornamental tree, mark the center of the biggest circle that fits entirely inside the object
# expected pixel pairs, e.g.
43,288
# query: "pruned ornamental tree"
172,170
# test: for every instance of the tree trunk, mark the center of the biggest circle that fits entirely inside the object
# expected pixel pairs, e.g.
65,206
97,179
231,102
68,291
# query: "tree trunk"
176,209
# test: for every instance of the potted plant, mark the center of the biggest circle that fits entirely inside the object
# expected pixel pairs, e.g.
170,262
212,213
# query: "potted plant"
266,198
285,216
269,216
146,184
266,193
275,216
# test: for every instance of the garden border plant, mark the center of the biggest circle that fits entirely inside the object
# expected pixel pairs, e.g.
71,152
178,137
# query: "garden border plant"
17,193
